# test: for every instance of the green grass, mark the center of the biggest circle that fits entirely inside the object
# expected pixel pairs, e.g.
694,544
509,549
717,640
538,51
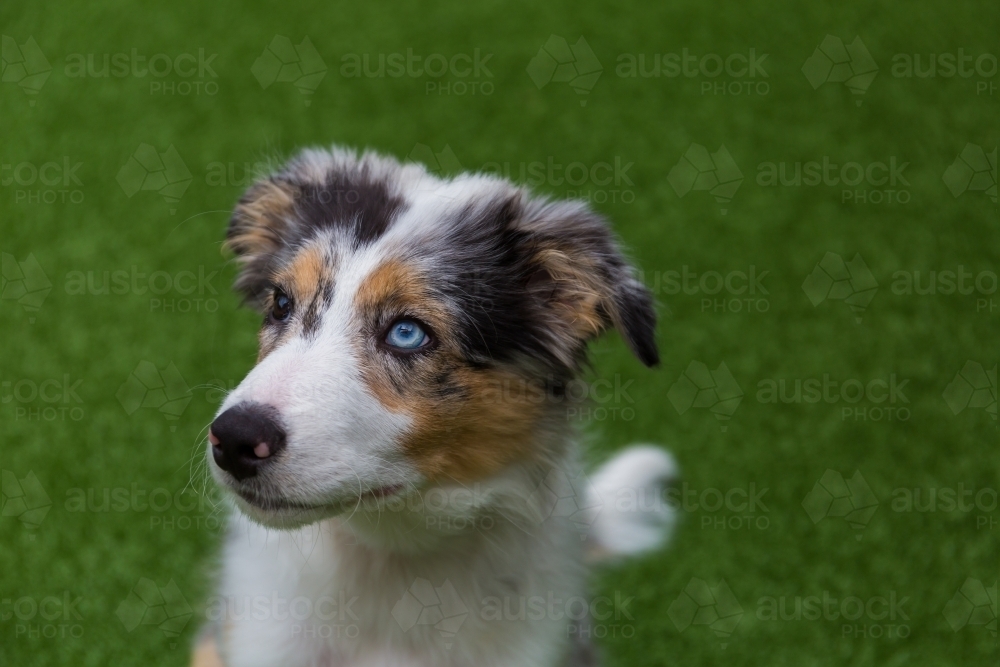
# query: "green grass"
92,443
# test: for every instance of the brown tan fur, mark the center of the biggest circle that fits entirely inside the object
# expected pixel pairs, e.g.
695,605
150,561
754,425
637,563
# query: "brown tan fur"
305,279
577,296
305,276
263,216
467,423
259,230
206,654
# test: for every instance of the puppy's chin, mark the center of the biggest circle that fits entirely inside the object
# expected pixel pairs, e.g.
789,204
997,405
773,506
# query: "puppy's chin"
284,514
287,517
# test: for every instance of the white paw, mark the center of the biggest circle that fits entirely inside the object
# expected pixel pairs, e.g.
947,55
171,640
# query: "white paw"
634,515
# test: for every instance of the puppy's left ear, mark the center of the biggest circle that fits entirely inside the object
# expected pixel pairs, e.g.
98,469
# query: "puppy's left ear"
580,279
261,228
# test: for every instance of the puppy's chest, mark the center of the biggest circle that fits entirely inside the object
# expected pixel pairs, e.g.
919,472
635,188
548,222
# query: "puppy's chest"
333,602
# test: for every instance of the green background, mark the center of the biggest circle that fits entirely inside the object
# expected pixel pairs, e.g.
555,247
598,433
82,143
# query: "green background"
99,556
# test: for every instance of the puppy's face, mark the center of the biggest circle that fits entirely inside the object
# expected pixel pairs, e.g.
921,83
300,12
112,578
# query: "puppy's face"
415,331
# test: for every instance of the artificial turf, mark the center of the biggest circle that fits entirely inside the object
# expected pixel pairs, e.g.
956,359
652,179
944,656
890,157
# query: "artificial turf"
83,415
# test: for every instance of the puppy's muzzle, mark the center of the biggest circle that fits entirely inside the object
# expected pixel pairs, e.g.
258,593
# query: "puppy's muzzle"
245,439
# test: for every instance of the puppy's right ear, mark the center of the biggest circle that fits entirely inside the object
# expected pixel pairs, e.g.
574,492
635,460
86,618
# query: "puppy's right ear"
260,229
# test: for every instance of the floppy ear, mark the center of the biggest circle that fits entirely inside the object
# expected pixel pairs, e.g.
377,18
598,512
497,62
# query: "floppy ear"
259,230
581,282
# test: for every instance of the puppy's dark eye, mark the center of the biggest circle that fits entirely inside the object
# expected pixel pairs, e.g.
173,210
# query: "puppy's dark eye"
281,306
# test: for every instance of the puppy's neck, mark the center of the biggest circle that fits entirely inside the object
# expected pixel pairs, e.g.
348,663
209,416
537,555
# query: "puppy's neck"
443,516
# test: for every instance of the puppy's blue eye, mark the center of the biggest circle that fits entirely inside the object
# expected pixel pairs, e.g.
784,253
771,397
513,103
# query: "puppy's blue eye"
406,335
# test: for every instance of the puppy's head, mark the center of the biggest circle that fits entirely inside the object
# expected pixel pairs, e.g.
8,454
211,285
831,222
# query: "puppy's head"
416,331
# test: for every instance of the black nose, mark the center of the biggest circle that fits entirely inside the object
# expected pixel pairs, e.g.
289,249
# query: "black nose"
246,437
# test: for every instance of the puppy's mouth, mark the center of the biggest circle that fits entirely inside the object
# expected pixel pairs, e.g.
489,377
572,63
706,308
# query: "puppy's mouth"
272,503
382,492
283,506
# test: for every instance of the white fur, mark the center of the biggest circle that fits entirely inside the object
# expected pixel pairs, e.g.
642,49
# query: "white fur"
634,516
526,551
521,535
343,441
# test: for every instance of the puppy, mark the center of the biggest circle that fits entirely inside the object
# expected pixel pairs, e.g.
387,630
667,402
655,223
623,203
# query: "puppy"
401,459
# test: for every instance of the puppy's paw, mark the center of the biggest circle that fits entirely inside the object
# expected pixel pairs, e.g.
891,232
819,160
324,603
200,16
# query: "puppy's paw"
634,515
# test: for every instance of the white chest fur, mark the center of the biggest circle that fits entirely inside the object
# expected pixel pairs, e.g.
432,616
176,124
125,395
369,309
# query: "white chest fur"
402,588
